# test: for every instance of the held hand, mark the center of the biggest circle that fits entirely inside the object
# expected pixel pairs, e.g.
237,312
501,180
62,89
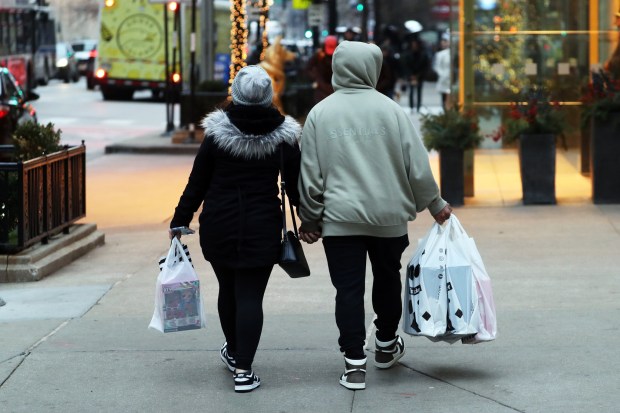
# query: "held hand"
443,215
310,237
172,234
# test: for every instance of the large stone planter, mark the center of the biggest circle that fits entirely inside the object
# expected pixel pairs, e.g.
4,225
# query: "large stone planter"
537,166
605,159
451,176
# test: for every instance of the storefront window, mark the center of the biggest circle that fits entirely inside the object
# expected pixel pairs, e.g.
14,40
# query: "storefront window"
508,45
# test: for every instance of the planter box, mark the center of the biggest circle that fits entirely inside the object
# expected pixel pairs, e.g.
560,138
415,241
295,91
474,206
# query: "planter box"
41,197
451,176
537,166
605,159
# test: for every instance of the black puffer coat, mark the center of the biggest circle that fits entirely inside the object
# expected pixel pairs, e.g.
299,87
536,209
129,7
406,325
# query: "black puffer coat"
235,174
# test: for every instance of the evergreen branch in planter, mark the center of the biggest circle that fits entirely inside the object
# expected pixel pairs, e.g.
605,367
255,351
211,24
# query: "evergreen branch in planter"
32,140
453,128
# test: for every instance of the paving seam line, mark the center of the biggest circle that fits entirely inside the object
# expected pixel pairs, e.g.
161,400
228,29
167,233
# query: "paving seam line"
32,347
57,329
461,388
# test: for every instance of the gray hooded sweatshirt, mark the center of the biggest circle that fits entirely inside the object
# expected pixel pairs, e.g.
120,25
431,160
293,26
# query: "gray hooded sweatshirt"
364,169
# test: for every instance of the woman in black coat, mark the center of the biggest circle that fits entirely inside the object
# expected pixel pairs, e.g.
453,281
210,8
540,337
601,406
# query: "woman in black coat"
235,178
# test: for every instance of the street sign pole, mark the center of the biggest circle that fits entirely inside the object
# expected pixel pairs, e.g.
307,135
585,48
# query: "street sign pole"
167,87
192,75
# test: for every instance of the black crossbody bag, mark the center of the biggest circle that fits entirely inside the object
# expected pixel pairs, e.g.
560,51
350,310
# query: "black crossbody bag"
292,258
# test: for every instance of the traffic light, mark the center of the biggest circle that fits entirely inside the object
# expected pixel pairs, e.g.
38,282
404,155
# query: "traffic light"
360,7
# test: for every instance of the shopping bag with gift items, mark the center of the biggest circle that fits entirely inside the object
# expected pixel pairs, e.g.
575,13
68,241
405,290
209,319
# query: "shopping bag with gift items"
447,294
178,302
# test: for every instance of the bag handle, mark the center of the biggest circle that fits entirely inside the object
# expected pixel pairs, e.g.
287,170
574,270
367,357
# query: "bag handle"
283,196
175,245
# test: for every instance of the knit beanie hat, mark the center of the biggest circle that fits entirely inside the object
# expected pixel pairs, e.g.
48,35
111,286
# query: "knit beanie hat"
252,87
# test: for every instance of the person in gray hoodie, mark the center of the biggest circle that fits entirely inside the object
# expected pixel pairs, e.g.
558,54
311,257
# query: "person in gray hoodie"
364,175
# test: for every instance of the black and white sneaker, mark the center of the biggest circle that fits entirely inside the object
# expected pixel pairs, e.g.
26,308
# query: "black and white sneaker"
388,353
354,376
246,381
226,358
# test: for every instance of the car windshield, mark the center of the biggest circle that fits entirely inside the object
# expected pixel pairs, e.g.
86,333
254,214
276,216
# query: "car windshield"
84,46
61,50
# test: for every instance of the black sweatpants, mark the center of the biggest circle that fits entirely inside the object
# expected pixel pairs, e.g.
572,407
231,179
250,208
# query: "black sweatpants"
240,307
346,259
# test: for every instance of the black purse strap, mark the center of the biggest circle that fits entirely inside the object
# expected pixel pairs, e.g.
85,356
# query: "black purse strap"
284,196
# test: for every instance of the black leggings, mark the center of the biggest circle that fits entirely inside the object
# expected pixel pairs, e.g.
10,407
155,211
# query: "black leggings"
240,306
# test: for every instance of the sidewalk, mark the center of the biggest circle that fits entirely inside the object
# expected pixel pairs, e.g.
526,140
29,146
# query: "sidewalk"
77,341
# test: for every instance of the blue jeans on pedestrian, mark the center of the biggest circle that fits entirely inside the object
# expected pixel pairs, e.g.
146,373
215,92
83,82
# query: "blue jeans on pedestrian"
346,260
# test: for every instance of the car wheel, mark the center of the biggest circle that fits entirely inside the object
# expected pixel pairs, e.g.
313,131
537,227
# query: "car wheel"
46,76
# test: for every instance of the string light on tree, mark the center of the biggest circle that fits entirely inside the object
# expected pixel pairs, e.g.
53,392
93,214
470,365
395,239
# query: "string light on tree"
264,6
238,37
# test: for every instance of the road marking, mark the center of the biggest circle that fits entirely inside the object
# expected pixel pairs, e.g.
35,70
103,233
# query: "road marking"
117,122
57,121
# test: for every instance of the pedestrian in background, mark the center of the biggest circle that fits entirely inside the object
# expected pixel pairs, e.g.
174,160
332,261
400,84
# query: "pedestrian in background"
364,174
350,35
235,178
415,64
443,66
389,72
319,69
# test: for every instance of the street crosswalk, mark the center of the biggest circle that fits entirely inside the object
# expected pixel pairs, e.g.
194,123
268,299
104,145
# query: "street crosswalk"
65,121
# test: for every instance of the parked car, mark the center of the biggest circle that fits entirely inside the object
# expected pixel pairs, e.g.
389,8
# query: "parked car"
85,54
66,63
14,106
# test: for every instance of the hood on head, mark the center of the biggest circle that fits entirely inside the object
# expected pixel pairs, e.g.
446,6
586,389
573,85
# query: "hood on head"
356,65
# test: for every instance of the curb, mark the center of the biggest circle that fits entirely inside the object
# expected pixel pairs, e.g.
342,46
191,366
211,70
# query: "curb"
43,259
180,149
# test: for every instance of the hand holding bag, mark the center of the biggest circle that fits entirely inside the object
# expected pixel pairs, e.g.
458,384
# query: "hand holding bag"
292,257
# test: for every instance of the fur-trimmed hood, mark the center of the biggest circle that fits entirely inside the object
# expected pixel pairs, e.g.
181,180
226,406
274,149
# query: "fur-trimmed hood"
229,138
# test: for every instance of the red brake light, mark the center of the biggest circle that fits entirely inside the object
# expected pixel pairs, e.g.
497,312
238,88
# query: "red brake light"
4,110
176,78
173,6
92,53
100,74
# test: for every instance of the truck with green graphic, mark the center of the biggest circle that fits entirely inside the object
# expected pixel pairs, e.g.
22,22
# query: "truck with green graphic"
132,49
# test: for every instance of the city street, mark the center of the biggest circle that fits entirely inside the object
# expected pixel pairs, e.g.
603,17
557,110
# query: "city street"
77,341
82,114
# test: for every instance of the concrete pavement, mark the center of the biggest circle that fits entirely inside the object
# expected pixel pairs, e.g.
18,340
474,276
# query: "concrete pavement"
77,341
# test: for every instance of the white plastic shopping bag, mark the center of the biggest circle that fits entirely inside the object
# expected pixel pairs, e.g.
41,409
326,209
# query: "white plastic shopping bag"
463,313
425,298
487,328
441,295
178,302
